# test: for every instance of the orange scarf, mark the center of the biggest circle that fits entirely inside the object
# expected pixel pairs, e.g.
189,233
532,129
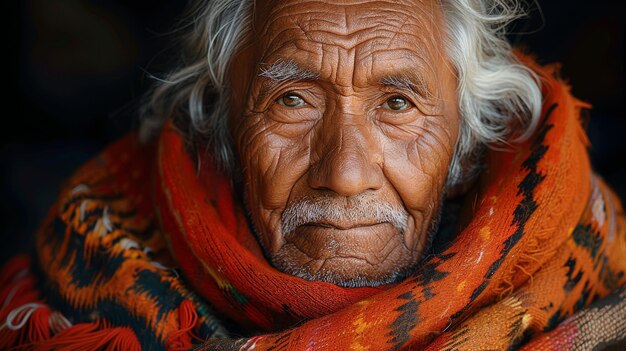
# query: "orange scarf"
546,238
536,232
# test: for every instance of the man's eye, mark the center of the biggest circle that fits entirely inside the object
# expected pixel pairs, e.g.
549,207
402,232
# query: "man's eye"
396,103
291,100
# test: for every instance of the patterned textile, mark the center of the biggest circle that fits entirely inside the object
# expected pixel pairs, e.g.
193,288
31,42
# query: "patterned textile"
546,239
596,327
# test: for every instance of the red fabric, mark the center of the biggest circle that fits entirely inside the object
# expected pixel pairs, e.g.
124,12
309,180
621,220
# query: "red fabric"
546,238
526,206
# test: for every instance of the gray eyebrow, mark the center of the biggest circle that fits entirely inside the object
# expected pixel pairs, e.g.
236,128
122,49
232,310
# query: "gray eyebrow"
281,71
415,84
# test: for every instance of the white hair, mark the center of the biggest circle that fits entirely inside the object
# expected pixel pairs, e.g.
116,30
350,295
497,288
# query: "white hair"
499,98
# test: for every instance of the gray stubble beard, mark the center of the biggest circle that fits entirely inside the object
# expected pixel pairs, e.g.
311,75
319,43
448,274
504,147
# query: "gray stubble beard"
383,212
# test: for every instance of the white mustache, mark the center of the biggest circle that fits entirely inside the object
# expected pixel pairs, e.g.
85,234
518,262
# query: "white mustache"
327,209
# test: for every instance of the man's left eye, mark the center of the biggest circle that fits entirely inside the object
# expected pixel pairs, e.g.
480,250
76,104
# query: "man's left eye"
291,100
396,103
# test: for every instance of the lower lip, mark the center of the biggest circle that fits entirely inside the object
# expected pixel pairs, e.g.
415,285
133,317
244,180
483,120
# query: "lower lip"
315,237
355,228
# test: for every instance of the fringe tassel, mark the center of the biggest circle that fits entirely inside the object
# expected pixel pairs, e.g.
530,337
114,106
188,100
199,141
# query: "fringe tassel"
28,324
182,338
91,336
25,326
24,319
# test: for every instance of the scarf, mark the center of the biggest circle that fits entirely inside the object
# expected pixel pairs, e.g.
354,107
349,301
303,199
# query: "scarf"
141,251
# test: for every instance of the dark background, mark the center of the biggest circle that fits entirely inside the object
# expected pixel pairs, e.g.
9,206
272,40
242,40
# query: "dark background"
78,67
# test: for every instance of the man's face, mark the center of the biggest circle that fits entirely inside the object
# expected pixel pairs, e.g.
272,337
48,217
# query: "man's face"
345,121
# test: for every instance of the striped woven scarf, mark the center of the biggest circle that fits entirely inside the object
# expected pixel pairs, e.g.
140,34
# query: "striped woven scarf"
141,252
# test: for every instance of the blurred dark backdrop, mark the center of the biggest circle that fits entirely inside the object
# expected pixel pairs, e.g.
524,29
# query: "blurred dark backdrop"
77,68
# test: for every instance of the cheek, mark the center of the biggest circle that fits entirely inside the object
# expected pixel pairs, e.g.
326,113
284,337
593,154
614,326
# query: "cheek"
417,167
272,164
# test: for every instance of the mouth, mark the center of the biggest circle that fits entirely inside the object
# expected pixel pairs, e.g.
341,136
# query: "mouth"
346,254
342,225
323,232
325,214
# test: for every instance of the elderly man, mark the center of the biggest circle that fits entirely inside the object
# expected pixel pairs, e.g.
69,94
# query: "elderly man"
335,175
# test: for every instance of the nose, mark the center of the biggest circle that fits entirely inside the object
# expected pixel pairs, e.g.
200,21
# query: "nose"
349,160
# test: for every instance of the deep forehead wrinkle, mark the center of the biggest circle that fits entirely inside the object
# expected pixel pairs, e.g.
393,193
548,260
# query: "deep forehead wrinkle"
341,24
349,45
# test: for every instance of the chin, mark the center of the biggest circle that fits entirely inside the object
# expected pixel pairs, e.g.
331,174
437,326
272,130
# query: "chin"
334,272
334,256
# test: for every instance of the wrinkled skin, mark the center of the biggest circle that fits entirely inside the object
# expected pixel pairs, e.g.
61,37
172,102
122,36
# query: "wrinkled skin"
342,133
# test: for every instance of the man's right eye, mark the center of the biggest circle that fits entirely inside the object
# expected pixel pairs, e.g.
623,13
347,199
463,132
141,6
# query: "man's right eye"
291,100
